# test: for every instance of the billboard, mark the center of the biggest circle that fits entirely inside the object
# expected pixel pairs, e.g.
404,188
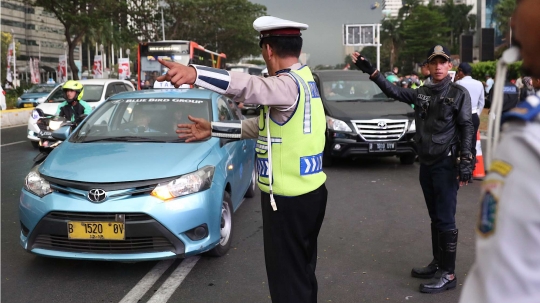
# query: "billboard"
359,34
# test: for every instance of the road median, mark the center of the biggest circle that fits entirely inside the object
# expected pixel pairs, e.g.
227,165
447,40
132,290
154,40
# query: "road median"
14,117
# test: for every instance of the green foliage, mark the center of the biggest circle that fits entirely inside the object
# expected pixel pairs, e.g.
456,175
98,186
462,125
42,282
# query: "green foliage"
423,29
480,69
503,12
458,21
218,25
13,94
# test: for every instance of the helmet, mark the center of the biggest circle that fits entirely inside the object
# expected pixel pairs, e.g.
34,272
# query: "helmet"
74,86
392,78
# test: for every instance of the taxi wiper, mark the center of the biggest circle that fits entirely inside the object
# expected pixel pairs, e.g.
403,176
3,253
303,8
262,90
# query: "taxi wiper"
125,139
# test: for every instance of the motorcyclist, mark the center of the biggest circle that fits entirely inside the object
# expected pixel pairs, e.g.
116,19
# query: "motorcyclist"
74,106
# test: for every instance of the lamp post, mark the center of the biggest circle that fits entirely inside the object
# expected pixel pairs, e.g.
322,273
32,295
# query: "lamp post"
162,4
128,51
64,76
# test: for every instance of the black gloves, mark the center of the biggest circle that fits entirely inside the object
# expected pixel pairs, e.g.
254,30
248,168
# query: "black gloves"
364,65
465,167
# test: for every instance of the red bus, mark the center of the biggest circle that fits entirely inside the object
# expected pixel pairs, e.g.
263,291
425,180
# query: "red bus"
181,51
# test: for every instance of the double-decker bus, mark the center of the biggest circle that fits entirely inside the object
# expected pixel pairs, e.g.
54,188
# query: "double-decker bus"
181,51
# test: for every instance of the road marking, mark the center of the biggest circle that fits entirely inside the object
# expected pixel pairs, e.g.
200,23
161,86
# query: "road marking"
137,292
174,280
12,143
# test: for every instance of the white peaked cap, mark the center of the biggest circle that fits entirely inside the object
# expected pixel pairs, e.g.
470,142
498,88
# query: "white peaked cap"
268,23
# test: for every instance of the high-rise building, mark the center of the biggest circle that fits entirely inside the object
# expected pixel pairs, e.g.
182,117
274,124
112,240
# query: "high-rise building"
390,8
39,33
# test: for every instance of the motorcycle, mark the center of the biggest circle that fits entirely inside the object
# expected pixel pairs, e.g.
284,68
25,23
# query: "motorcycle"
47,125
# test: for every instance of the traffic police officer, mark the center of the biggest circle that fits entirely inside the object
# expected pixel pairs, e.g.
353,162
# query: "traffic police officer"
507,265
290,141
444,130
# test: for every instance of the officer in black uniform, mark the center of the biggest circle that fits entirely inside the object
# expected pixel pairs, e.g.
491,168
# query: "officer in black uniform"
444,132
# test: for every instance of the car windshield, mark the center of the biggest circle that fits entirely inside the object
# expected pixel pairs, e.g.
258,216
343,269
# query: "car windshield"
41,89
140,120
351,90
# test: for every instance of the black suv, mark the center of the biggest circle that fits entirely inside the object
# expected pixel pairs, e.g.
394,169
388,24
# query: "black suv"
361,120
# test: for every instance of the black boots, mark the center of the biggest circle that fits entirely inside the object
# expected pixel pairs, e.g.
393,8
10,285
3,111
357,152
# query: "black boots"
429,271
447,264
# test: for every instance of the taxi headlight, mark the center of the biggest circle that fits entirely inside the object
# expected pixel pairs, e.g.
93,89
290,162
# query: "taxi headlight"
338,125
412,128
19,99
187,184
35,184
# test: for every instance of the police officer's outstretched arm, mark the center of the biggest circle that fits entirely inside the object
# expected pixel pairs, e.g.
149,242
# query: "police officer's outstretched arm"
406,95
200,129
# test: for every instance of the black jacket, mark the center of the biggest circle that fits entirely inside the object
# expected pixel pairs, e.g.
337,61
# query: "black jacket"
446,123
510,97
71,113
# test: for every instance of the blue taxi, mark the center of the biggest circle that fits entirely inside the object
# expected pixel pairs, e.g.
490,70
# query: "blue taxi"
124,187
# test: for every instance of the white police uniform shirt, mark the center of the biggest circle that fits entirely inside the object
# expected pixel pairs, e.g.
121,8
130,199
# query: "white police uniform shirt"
507,265
476,91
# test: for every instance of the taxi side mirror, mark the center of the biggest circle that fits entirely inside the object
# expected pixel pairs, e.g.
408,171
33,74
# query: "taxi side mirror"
62,133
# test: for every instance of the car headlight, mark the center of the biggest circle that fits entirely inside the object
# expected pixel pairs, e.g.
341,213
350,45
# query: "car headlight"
35,184
187,184
412,128
335,124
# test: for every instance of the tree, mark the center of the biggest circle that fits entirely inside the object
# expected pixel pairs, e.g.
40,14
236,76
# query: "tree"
422,29
391,37
458,21
80,16
218,25
503,13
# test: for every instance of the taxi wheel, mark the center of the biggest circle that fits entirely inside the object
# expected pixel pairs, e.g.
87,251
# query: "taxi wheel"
226,228
35,144
250,193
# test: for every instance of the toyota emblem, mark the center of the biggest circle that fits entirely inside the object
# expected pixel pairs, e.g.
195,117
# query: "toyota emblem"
381,124
97,195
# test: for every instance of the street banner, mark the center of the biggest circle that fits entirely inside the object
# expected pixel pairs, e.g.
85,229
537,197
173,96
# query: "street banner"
35,67
10,57
97,69
62,68
123,68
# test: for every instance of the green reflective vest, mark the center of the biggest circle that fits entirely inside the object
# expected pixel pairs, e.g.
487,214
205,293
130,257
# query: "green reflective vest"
296,145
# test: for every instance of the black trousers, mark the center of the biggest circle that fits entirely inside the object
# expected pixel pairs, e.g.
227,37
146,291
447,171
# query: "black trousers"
476,124
440,186
290,244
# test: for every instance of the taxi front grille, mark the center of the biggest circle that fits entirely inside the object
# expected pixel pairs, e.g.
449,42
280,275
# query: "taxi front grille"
129,245
81,216
380,129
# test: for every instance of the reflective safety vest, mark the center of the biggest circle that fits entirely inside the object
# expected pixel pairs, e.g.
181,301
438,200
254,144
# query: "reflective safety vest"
296,145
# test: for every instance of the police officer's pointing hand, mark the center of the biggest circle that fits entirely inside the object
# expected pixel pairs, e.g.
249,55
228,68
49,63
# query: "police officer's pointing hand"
178,74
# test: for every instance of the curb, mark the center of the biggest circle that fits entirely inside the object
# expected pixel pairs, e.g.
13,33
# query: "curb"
15,117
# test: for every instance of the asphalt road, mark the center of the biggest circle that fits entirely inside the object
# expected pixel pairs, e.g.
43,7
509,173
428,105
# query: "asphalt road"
375,229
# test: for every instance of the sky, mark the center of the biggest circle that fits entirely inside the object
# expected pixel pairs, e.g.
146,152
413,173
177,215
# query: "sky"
323,38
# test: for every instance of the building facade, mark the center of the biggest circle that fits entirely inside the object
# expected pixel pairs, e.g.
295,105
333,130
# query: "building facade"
40,34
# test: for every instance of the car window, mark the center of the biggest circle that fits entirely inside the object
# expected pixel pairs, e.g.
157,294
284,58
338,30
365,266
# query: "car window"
119,87
92,92
126,119
236,113
128,88
110,91
224,113
349,90
57,96
41,89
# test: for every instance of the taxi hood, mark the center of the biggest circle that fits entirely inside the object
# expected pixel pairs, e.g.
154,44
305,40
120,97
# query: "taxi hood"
104,162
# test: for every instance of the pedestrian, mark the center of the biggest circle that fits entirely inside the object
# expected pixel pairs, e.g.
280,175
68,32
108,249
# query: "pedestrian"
290,132
476,92
528,88
444,131
424,69
488,84
511,97
507,266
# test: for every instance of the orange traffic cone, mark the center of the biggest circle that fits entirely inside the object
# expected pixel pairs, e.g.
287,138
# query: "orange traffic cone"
479,171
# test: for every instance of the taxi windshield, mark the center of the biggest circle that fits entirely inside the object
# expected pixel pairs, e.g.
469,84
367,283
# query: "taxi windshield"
140,120
41,89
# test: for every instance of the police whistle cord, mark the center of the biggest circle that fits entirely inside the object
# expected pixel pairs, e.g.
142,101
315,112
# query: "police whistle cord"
511,55
269,140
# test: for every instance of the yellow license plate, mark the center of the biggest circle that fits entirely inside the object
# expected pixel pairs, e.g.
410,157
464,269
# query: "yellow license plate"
96,230
28,105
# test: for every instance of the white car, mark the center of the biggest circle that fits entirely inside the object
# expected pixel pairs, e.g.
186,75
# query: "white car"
2,99
96,91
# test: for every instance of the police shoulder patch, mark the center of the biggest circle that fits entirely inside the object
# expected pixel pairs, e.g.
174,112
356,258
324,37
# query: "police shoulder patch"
500,167
527,110
487,218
